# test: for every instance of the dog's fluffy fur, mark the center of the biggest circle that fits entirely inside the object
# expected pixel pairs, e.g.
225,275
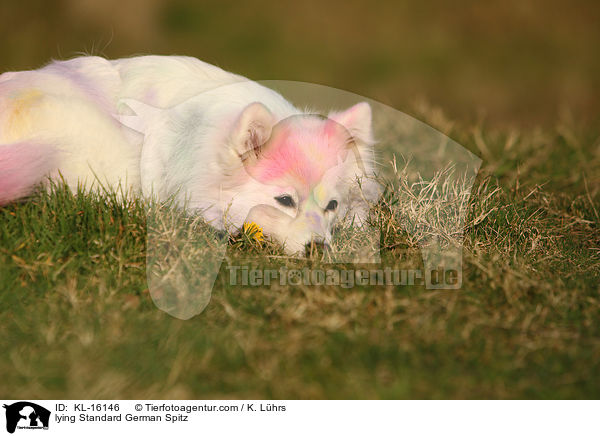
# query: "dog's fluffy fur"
169,126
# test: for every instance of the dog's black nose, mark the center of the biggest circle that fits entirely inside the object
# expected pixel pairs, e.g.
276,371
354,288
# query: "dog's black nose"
316,248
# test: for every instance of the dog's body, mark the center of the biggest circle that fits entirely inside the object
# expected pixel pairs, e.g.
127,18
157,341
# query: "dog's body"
227,146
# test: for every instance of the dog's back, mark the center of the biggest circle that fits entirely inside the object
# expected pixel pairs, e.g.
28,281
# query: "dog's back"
63,117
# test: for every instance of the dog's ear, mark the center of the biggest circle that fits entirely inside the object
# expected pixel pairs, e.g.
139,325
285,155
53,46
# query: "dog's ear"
358,121
143,115
251,131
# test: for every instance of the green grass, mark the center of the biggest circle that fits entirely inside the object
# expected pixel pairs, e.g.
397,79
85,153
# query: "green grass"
511,62
77,319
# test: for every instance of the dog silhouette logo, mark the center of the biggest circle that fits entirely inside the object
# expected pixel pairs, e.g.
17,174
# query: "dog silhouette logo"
26,415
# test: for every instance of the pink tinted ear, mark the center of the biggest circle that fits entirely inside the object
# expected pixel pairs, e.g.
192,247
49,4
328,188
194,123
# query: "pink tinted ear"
251,130
357,120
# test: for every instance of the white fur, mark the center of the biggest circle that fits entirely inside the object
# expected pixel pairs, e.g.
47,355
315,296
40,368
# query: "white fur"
164,126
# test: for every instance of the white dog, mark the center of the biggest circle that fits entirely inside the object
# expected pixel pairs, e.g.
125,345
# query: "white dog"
230,148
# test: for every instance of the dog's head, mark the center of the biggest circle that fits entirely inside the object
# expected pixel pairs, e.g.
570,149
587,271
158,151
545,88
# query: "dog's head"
300,175
294,177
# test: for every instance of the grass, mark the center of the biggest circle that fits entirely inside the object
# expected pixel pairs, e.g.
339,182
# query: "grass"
513,62
78,321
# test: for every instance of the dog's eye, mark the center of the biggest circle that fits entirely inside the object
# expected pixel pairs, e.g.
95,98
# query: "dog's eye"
332,205
285,200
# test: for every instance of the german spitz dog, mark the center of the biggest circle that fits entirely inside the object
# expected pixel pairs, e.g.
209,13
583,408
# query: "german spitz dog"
176,127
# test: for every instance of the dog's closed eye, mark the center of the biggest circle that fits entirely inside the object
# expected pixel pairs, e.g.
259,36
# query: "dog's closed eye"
286,200
332,205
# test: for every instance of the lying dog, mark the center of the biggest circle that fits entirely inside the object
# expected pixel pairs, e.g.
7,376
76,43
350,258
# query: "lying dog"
226,146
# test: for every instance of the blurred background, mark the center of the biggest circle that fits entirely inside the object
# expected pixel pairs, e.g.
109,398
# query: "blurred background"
511,62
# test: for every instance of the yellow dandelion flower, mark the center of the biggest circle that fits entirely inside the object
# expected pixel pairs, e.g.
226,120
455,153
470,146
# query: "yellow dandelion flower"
253,231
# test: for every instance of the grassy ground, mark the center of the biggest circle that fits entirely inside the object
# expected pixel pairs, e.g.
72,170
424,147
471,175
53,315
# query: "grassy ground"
519,80
77,320
517,62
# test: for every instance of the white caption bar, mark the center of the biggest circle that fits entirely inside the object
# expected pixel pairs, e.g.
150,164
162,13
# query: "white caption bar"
264,418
